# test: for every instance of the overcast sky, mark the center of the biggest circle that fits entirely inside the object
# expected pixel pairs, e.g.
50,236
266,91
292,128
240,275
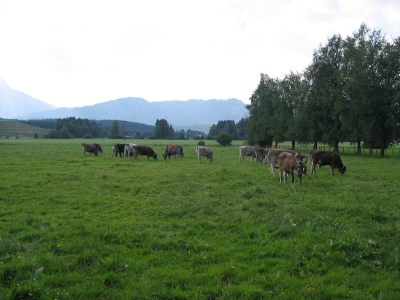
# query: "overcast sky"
76,53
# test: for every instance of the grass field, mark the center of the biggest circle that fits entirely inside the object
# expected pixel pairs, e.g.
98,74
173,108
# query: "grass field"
12,129
86,227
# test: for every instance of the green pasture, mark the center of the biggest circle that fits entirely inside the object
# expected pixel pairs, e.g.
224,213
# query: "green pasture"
13,129
87,227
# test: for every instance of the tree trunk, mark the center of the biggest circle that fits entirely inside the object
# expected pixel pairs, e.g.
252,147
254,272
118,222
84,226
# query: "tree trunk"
315,147
358,147
336,147
293,145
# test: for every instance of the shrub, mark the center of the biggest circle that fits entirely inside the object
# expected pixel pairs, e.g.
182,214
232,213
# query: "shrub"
201,143
224,139
87,136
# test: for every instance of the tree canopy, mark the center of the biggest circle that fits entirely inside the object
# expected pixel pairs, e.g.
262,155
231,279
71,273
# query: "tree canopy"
350,92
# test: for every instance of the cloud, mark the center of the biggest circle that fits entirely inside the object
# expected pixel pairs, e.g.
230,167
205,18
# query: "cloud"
83,52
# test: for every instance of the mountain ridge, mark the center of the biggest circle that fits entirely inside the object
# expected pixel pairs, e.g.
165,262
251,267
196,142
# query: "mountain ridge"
142,111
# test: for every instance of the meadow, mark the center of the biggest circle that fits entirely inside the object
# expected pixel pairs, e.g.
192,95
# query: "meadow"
105,227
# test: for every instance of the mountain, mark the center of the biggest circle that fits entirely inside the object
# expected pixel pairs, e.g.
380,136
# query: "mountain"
177,113
14,103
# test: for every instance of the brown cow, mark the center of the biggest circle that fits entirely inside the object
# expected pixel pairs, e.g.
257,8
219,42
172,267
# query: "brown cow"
90,148
144,150
273,157
173,150
326,158
289,164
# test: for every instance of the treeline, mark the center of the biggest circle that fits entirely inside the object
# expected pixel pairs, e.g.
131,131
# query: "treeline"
75,128
236,131
350,92
84,128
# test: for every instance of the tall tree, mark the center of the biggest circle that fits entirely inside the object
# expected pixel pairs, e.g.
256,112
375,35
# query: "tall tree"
328,88
114,130
261,112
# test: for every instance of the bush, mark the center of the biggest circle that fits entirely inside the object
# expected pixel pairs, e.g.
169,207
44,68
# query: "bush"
88,136
224,139
201,143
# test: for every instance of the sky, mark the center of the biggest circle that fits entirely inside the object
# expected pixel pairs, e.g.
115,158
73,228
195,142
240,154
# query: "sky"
78,53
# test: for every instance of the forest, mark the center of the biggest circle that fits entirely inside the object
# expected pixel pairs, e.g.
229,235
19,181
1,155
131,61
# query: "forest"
349,93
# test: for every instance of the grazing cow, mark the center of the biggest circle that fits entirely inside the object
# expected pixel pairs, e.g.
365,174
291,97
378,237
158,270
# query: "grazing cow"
90,148
326,158
118,149
204,151
272,158
98,147
246,151
259,154
129,149
144,150
289,164
173,150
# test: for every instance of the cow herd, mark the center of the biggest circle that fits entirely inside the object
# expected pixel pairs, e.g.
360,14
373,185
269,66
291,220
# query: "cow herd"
289,162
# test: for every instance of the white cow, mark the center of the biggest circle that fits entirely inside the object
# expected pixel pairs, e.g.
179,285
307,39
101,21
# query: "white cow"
246,151
129,149
204,151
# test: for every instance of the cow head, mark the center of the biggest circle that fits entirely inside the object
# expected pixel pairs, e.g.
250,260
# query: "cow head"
154,156
164,155
342,170
299,156
302,168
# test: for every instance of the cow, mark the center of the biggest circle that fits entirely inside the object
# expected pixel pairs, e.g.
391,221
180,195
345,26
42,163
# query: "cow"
173,150
144,150
90,148
290,164
98,147
118,149
129,149
272,158
326,158
246,151
259,154
204,151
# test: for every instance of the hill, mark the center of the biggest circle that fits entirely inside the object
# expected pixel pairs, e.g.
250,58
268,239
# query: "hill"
14,103
11,129
178,113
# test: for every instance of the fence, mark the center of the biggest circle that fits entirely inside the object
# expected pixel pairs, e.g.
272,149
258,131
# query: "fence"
391,152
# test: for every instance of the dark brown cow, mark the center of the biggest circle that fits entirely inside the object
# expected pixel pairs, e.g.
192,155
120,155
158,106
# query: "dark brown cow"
90,148
290,164
98,147
173,150
118,149
326,158
144,150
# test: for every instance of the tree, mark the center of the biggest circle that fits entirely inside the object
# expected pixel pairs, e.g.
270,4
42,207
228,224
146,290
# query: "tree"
328,85
261,112
114,130
163,130
224,139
